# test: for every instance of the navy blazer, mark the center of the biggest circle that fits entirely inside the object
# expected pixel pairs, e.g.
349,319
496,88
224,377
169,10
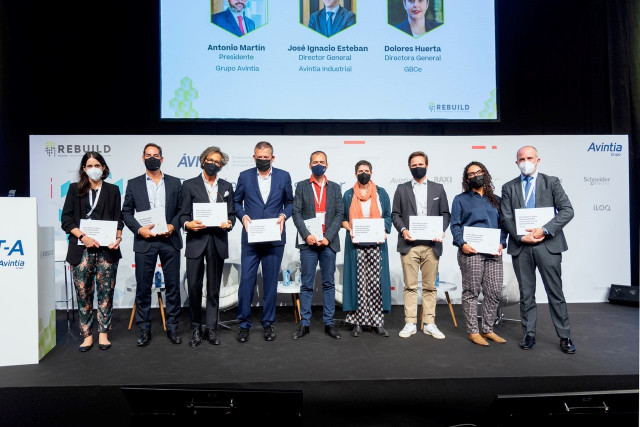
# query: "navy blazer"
194,191
75,208
549,193
304,207
136,199
248,200
344,18
226,20
404,206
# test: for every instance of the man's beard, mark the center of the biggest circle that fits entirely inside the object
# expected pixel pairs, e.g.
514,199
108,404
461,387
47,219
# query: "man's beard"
237,9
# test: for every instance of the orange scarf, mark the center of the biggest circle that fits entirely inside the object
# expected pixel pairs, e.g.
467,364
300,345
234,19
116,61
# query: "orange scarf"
355,210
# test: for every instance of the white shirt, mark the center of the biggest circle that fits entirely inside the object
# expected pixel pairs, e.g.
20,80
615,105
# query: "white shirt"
366,207
156,192
212,190
265,185
420,192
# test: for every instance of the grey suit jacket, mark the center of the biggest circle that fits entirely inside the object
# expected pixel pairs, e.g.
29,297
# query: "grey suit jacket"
404,206
549,193
304,207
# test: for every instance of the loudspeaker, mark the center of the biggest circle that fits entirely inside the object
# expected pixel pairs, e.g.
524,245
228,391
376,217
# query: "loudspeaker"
625,295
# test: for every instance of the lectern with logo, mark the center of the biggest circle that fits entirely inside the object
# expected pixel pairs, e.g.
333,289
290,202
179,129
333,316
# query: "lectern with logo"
27,300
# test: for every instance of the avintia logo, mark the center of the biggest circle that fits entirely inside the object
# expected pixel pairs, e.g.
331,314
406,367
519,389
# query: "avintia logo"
612,148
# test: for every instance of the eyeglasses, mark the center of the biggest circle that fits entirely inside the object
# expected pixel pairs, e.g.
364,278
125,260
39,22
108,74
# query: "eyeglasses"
474,174
215,162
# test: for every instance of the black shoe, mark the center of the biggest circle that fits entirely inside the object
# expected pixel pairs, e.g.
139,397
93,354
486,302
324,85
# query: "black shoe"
210,335
332,331
173,336
85,348
243,335
528,342
145,338
269,333
104,346
356,331
380,331
302,331
567,346
196,338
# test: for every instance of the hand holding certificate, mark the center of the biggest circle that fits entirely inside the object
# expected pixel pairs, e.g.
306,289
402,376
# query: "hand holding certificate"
314,226
155,217
426,227
368,230
263,230
210,214
483,240
104,232
532,218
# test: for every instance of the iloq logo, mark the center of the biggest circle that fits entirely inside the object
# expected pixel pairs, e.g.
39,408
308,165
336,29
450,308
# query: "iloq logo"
14,250
601,208
614,150
601,180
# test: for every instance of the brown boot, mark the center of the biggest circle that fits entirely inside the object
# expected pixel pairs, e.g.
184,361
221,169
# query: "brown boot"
477,339
493,337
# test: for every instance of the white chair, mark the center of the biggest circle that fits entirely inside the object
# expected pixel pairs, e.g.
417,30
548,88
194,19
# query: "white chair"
510,293
60,250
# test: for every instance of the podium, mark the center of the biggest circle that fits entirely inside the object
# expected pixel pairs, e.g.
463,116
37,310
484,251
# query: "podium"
27,279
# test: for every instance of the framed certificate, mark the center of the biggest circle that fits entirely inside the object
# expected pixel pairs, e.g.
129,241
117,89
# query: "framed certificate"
532,218
483,240
155,216
368,230
102,231
263,230
426,227
211,214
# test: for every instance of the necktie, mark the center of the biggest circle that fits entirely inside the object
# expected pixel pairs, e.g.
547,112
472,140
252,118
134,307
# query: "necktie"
330,24
240,24
531,202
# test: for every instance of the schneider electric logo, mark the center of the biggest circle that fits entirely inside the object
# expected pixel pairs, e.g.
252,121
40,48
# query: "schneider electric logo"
613,149
14,253
448,108
601,180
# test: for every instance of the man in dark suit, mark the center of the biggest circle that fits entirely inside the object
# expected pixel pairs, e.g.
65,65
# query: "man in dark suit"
419,197
262,192
318,198
332,19
540,248
155,190
206,243
233,19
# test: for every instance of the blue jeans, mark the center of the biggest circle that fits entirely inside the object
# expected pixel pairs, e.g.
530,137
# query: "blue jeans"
309,260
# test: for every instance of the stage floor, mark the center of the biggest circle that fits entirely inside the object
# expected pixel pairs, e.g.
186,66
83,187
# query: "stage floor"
369,380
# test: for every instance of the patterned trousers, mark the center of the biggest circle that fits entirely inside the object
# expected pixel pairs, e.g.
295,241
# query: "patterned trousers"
369,312
94,270
484,273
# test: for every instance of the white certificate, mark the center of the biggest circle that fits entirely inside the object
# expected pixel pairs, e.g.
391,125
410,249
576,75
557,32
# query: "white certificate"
532,218
155,216
314,226
426,227
264,230
211,214
102,231
483,240
368,230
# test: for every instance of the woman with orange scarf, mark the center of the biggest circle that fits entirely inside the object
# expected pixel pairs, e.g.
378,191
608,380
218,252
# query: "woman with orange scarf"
366,283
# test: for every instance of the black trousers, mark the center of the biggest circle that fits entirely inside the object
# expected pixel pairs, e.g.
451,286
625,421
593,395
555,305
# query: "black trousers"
195,276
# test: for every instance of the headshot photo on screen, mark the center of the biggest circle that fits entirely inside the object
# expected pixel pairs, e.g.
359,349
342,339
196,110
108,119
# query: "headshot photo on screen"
415,17
328,17
239,17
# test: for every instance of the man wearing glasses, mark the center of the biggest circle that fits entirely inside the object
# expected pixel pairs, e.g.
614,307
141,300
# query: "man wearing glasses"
419,197
206,242
155,190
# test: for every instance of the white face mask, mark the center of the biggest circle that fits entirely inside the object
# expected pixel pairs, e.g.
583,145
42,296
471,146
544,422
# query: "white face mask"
526,167
94,174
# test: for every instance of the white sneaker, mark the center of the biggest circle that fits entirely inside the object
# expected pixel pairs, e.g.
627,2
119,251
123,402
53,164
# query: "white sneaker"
408,330
432,329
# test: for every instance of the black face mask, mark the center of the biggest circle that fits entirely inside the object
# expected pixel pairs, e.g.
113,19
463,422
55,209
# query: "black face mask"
364,178
263,165
211,169
476,181
152,164
418,173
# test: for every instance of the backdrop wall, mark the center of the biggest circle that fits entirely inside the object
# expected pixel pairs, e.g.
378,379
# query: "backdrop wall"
593,169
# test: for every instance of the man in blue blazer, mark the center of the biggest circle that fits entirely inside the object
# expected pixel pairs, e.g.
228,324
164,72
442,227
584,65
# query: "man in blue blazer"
332,19
233,19
155,190
317,197
261,192
540,247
